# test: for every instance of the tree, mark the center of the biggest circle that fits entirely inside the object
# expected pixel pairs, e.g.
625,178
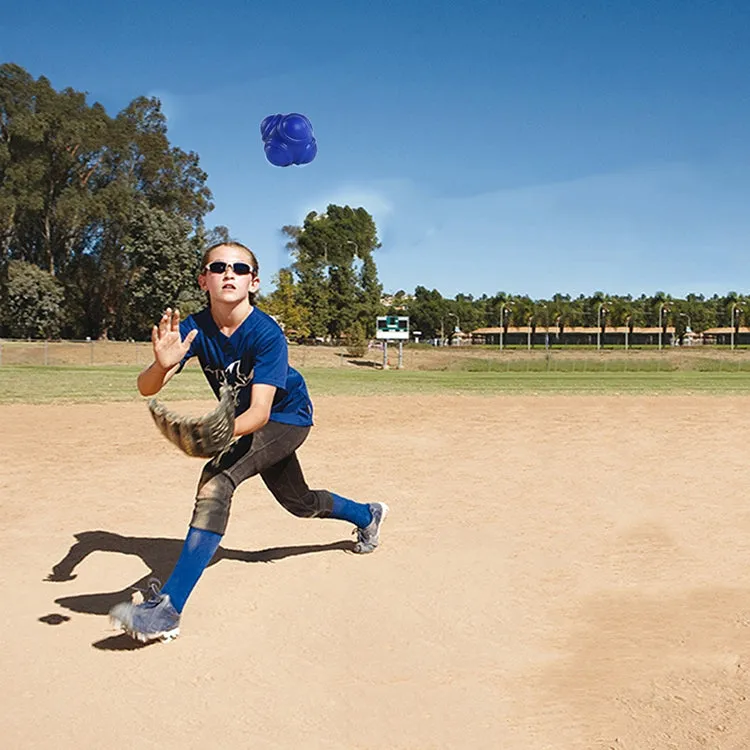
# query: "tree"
161,268
335,269
32,302
522,310
700,314
283,304
493,309
313,295
465,313
370,293
356,340
213,236
560,311
71,179
427,312
52,146
620,309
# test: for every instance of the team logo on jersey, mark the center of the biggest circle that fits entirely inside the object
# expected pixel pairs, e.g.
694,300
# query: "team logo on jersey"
238,374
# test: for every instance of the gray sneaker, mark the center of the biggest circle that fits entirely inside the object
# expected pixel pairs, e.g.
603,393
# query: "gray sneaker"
154,618
369,537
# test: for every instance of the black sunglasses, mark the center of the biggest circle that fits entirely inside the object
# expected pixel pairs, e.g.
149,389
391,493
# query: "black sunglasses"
219,266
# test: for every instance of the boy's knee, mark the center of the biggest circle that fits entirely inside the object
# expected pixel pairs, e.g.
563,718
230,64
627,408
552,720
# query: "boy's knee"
212,504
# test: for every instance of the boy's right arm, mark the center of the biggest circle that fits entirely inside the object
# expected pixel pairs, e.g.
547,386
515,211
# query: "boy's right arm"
154,378
169,349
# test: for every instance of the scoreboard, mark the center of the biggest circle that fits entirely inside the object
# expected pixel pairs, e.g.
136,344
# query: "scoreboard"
392,327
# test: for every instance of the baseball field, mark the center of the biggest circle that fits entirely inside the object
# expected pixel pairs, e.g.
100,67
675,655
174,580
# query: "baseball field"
566,566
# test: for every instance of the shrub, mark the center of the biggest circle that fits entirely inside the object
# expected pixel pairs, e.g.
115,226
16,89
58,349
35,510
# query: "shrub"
356,341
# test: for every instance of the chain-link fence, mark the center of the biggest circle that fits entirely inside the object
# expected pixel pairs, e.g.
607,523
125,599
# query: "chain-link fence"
131,353
650,363
415,357
75,353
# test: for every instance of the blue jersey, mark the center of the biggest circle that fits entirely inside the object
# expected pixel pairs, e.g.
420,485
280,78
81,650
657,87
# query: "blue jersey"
255,353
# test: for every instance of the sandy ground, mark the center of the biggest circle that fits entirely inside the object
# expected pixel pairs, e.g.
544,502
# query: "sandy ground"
556,572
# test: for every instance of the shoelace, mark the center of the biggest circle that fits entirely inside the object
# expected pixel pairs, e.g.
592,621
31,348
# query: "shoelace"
362,535
154,586
151,594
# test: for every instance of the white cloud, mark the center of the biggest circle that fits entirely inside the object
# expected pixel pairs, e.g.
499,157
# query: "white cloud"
373,200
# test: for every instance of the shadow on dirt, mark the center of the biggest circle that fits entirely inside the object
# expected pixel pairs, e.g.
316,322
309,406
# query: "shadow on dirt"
160,556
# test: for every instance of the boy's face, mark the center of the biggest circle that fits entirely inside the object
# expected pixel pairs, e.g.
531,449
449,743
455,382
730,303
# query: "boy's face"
227,285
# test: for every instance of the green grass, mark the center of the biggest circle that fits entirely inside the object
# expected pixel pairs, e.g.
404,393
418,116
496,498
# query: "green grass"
36,385
603,365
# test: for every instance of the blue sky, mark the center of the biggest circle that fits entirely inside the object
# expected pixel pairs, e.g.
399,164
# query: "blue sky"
521,146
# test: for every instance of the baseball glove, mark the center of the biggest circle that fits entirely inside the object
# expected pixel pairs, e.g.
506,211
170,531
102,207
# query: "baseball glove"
202,437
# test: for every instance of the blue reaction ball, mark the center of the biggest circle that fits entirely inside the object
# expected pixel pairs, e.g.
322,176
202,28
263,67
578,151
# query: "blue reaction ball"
288,139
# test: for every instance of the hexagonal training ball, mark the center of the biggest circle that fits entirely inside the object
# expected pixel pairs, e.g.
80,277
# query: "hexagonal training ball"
288,139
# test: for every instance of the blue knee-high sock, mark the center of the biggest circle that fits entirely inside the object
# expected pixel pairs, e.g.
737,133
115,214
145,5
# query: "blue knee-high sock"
347,510
197,551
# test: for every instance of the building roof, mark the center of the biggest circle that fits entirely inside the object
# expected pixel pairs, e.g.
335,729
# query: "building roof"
591,330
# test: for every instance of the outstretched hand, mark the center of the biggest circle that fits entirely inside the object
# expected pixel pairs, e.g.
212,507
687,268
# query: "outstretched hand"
169,348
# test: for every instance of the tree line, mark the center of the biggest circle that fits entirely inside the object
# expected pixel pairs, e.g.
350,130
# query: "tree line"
102,224
435,316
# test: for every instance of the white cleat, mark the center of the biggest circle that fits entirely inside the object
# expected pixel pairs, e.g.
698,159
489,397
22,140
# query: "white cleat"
368,538
154,619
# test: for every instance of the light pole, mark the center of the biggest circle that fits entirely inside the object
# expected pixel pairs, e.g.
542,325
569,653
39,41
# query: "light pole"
601,310
688,329
544,311
627,330
458,322
663,309
546,327
735,318
558,328
504,313
528,335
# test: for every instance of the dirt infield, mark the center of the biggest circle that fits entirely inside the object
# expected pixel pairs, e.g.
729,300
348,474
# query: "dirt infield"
557,572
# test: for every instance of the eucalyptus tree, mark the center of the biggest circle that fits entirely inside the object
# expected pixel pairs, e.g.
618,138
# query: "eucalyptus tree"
335,270
72,182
